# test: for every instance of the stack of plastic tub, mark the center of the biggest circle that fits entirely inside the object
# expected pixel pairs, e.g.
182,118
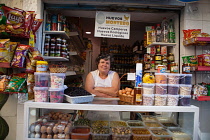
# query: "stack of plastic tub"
57,87
41,93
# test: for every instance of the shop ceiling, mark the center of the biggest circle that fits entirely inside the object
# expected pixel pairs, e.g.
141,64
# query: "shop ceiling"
147,11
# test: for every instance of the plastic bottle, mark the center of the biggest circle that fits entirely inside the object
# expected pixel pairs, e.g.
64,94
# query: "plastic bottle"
171,32
153,34
158,33
165,30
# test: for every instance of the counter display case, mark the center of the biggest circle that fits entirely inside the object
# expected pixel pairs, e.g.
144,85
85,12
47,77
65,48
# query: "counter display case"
32,108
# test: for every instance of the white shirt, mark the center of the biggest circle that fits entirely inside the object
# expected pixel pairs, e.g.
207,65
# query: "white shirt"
99,82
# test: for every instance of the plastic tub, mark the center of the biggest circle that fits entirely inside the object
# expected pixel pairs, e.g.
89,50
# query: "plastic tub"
160,100
57,80
135,123
184,100
161,89
100,133
80,133
41,79
56,95
148,99
41,94
148,88
160,134
173,78
185,89
153,124
148,118
121,133
173,89
178,134
141,134
172,100
185,79
161,78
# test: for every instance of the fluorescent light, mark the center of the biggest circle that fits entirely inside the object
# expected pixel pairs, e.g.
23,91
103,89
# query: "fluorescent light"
88,33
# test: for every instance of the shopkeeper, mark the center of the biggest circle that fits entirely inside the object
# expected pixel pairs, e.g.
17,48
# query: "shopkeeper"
103,82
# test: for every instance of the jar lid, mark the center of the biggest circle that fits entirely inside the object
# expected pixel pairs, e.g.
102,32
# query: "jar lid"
41,62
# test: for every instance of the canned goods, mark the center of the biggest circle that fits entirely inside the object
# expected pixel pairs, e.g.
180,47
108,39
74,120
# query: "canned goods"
47,27
59,26
161,69
54,27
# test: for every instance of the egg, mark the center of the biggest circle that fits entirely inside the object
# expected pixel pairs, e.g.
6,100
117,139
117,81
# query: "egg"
123,91
55,130
67,130
49,129
67,136
44,120
128,93
32,135
49,136
43,129
129,89
44,135
37,135
37,128
32,127
55,136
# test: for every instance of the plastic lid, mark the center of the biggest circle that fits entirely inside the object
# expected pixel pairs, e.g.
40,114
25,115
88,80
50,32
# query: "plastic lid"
40,88
173,74
56,89
173,95
184,85
161,74
58,74
148,84
42,62
161,95
161,84
41,73
185,96
151,95
186,75
173,85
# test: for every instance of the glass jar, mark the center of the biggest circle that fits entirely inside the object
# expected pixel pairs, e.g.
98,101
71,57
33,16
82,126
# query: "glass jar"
185,68
173,67
171,57
138,96
158,57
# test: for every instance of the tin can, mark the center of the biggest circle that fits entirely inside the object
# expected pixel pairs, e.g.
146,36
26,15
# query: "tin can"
54,27
161,69
59,26
47,27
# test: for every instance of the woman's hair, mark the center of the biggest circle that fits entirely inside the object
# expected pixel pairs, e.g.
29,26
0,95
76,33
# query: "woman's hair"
103,56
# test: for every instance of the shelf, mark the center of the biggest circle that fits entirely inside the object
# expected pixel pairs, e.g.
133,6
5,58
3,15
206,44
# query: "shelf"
73,53
51,58
203,68
203,98
63,34
162,44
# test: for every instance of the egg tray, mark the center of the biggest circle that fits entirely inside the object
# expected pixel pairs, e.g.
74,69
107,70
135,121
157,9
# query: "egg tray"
79,99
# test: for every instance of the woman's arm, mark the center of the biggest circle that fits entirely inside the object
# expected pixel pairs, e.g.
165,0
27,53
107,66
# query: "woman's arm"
111,91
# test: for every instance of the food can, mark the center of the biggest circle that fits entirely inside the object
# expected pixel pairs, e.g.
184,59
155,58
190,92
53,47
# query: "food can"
161,69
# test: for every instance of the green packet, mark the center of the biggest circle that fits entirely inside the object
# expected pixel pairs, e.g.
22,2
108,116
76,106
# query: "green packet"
190,59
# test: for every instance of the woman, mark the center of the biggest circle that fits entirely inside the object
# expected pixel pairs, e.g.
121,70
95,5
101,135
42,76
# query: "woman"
103,82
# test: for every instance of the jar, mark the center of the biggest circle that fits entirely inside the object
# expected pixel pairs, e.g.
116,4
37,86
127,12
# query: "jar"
63,42
161,69
152,57
46,49
173,67
157,63
47,39
171,57
185,68
147,66
41,66
138,96
58,40
158,57
165,62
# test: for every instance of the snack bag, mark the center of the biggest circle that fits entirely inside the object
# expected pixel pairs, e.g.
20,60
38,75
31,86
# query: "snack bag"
4,80
148,78
13,46
30,91
19,57
29,68
4,50
36,24
3,19
29,19
15,20
16,83
34,55
23,88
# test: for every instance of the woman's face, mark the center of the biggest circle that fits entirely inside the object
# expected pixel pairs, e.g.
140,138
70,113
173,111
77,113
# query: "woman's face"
104,65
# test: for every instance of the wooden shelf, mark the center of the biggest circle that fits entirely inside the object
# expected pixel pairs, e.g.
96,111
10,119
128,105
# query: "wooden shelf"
51,58
161,43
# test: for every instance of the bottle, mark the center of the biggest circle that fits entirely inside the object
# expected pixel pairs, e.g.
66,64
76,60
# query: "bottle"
165,32
171,32
158,33
138,96
153,34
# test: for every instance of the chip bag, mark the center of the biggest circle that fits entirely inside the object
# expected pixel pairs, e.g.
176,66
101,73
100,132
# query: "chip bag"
4,80
4,50
19,57
36,24
16,83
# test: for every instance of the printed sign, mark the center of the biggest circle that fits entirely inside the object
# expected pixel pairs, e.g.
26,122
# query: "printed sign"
112,25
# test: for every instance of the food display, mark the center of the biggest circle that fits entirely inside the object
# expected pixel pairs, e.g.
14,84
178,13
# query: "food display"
185,79
184,100
160,100
152,124
57,80
80,132
172,100
148,99
122,133
148,78
161,89
100,133
56,95
148,88
141,134
161,78
98,123
173,89
185,89
135,123
173,78
160,134
41,79
118,124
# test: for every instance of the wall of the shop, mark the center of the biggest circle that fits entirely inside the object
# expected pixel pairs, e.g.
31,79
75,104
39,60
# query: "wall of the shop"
197,16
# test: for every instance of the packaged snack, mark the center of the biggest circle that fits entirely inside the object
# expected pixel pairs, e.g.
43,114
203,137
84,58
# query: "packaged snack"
19,57
56,95
15,20
148,78
160,100
4,80
29,19
172,100
13,46
173,89
3,19
30,91
29,67
41,94
36,24
34,55
4,50
23,88
16,82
